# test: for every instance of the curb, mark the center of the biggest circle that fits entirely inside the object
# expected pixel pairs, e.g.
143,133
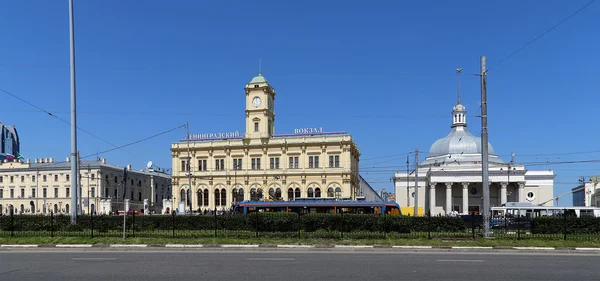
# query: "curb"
128,246
73,245
289,246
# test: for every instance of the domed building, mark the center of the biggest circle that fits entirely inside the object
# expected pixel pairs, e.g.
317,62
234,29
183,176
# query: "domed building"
450,180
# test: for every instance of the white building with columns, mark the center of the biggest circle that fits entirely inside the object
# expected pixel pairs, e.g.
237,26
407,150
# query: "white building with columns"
450,178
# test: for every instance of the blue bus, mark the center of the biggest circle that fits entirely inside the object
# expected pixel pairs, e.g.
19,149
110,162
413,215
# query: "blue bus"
306,206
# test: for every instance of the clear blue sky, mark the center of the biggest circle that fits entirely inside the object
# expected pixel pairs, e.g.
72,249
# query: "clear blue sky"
380,70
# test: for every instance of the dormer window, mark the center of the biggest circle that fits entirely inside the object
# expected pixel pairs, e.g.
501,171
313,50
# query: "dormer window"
255,86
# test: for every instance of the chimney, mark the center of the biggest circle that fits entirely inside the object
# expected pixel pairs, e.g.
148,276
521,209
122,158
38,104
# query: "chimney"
45,160
51,159
28,161
129,167
103,160
35,160
68,159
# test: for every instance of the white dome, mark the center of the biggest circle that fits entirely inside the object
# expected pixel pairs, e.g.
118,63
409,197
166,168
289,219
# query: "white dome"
459,146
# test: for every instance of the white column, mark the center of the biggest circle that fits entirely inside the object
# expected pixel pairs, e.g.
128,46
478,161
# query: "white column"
521,192
432,198
448,198
503,193
465,198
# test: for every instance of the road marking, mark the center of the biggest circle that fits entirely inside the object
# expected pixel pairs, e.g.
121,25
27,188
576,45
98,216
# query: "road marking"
352,246
184,246
128,245
239,246
93,259
271,259
412,247
587,249
295,246
534,248
459,260
73,245
19,246
471,247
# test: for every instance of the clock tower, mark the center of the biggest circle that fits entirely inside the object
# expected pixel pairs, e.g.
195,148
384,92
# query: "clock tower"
260,103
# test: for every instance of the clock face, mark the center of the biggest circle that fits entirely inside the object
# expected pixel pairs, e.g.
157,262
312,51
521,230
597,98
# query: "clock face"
256,101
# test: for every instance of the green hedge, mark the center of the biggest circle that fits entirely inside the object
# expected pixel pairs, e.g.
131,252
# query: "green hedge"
572,225
265,222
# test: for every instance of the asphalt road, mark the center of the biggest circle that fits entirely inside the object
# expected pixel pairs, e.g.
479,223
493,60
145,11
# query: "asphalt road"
292,266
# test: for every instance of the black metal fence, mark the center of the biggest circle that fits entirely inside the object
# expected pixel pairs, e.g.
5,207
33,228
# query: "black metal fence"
292,225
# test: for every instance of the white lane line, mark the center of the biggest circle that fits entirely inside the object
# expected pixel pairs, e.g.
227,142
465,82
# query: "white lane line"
184,246
19,246
412,247
353,246
271,259
295,246
238,246
73,245
533,248
587,249
128,245
471,247
93,259
459,260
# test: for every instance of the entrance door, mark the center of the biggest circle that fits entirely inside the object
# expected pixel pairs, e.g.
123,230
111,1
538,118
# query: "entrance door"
474,210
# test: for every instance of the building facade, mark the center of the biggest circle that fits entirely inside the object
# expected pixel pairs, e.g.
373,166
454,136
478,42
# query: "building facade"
44,186
587,194
9,142
450,178
214,171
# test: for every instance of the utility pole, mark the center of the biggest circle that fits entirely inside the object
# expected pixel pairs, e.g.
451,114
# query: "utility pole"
407,182
416,182
484,152
124,203
73,117
189,166
88,188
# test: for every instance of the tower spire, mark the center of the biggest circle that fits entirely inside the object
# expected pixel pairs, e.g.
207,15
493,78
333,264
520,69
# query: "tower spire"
458,71
260,66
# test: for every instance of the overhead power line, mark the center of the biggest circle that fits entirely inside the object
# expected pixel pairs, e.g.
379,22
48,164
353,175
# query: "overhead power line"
546,32
60,119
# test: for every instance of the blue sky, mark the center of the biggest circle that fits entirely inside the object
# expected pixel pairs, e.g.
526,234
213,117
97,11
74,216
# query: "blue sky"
383,71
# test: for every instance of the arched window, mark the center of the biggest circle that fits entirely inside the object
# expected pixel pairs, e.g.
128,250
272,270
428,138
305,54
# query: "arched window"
55,208
278,194
206,197
22,208
317,192
234,195
253,195
182,198
338,193
199,195
223,197
272,193
67,208
330,192
260,194
240,195
290,194
297,193
310,193
217,197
